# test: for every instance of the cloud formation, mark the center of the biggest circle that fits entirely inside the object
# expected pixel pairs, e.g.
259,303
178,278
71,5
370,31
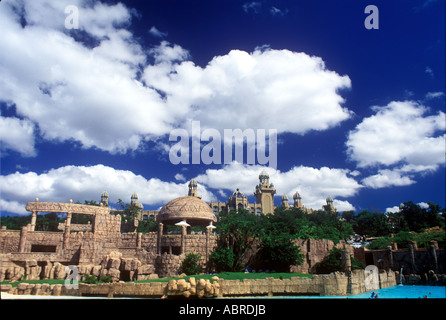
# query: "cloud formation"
98,86
81,183
290,91
399,132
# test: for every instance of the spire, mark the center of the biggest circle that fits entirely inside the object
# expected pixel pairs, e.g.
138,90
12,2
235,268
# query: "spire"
193,188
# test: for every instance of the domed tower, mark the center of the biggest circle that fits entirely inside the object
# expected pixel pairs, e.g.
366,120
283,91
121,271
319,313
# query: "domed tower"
285,201
297,200
104,199
134,198
265,193
238,200
193,188
329,207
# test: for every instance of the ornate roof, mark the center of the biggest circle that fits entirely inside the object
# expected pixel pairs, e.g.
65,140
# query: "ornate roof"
192,209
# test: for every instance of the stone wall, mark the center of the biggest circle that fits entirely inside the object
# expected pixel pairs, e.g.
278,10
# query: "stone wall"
314,251
334,284
9,240
412,261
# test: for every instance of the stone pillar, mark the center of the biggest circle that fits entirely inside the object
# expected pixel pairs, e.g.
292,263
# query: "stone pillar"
390,257
183,239
346,262
208,234
66,235
23,234
433,251
33,220
139,240
160,234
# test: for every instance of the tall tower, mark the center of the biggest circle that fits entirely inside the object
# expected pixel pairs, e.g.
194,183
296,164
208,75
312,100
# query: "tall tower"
134,198
329,207
104,199
297,200
285,201
265,193
193,188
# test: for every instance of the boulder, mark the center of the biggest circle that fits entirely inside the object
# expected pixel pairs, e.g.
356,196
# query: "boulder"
182,285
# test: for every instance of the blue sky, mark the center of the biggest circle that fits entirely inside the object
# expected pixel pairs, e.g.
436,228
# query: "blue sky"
359,113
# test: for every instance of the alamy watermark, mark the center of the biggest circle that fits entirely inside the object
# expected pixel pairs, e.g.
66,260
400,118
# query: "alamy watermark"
189,150
72,280
372,20
72,19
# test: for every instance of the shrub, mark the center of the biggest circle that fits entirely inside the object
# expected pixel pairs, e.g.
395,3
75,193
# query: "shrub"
222,259
190,264
332,262
106,279
90,279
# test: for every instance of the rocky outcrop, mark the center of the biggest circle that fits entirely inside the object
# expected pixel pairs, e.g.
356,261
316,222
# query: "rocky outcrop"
201,288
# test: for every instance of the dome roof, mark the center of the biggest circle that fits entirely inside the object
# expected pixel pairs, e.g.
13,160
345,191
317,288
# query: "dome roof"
263,174
284,197
238,194
296,196
134,196
192,209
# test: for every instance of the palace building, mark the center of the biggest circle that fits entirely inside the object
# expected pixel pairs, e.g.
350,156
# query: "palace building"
106,247
264,194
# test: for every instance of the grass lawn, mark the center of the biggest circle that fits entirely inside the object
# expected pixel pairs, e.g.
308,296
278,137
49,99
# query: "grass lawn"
224,275
233,276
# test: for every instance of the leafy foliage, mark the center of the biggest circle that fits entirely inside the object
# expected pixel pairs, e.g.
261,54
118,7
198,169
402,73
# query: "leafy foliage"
332,262
191,264
222,259
278,252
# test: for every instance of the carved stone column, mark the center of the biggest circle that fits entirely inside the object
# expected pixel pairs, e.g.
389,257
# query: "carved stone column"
183,239
160,234
23,234
66,235
33,220
346,262
208,234
390,257
433,251
138,240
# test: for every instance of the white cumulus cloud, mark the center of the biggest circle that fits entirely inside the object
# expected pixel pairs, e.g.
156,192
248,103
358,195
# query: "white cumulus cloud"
290,91
81,183
399,132
100,87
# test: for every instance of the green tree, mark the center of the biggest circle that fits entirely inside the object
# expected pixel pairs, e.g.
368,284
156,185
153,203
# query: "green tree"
372,224
237,231
129,211
191,264
149,225
222,259
278,252
332,263
48,222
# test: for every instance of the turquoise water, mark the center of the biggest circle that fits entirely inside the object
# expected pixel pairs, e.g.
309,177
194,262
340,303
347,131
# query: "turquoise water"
406,292
395,292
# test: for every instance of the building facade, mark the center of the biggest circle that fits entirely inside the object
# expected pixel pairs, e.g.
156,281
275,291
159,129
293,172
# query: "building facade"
264,194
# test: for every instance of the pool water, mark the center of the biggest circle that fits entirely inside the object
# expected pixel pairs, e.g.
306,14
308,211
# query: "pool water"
395,292
406,292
